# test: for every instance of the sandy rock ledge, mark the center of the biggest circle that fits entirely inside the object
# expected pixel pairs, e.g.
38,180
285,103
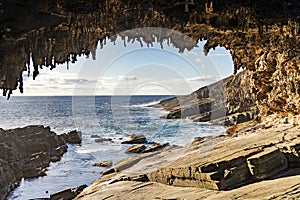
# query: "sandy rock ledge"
255,164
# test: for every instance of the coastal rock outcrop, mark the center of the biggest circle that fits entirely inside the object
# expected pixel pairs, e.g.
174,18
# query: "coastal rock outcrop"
105,163
26,152
135,139
67,194
226,102
255,159
261,36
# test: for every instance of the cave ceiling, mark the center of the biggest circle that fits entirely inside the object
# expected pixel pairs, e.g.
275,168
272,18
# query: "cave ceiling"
262,36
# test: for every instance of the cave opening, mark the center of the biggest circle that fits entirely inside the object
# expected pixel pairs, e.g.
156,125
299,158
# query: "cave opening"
114,63
112,69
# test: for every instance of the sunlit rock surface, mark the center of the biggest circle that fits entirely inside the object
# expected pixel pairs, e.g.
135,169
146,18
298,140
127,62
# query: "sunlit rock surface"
260,163
226,102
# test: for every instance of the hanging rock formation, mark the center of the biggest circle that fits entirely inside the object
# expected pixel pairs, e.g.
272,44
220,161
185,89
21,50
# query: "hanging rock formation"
262,36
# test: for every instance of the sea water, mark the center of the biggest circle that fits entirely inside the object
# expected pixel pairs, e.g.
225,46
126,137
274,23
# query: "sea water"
112,117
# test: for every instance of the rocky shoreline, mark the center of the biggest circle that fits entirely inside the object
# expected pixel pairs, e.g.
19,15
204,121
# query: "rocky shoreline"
27,152
261,161
227,102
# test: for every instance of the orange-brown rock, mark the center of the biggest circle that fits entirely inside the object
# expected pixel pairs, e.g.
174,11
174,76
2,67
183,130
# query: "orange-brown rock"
135,139
105,163
262,36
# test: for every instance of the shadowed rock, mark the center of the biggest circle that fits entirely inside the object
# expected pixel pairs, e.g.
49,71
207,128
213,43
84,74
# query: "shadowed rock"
67,194
135,139
27,152
262,36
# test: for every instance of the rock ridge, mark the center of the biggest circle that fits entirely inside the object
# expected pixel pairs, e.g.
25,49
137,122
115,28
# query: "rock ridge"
227,166
27,152
227,102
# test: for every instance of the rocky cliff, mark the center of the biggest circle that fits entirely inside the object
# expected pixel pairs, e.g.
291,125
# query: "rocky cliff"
262,36
226,102
27,152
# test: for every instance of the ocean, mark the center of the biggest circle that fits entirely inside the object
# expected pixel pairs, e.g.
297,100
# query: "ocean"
113,117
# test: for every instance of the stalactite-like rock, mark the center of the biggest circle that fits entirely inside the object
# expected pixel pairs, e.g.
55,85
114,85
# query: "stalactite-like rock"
262,36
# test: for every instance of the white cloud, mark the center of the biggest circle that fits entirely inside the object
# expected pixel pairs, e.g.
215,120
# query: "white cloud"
197,60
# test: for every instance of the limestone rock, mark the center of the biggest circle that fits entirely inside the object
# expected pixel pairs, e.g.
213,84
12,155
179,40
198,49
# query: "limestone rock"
135,139
216,163
67,194
106,164
267,163
136,149
226,102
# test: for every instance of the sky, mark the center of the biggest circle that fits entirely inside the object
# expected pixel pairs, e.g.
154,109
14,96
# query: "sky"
133,70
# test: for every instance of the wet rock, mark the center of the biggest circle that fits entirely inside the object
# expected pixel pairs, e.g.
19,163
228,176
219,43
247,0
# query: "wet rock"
135,139
26,153
100,140
67,194
198,140
95,136
136,149
106,164
73,137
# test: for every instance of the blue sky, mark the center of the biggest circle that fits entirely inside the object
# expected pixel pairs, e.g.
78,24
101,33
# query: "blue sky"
133,70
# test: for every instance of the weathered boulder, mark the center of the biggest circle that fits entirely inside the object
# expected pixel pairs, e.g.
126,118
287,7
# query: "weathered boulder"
101,140
67,194
135,139
106,164
73,137
155,147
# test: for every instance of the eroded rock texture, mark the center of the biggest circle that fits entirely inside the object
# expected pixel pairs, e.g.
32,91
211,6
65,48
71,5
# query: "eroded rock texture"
263,161
262,36
226,102
26,152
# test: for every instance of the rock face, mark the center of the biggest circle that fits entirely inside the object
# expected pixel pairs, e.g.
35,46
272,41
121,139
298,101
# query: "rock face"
26,152
261,36
229,101
216,163
135,139
67,194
